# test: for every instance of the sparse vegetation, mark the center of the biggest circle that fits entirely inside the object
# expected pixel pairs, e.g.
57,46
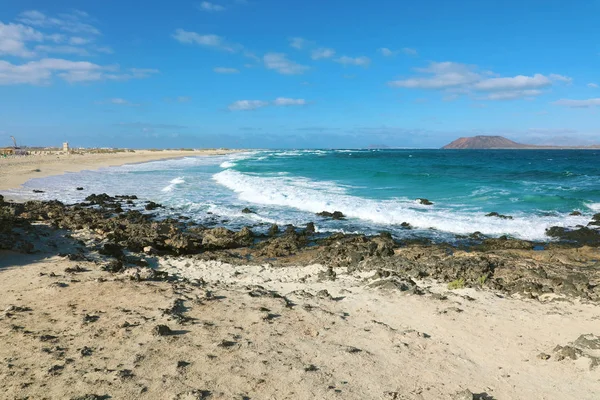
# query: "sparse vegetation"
456,284
482,280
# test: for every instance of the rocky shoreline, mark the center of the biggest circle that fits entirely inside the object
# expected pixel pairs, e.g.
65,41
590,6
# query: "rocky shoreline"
129,238
132,305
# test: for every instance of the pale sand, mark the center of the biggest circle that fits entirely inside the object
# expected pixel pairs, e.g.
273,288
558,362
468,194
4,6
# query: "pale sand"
358,343
14,171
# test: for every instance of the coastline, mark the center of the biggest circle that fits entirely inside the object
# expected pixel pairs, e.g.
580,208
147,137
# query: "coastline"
102,301
15,171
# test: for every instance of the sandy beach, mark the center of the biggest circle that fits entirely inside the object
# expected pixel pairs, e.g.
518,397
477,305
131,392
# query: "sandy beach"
14,171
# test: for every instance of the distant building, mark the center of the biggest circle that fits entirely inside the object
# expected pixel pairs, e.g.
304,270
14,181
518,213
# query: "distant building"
7,151
66,147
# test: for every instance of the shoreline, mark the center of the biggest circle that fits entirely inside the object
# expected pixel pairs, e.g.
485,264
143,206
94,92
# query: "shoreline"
103,300
15,171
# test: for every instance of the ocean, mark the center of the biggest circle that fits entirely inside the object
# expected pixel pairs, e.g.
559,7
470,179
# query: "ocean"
375,189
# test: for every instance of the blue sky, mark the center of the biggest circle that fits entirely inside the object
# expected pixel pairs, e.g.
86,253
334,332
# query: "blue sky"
273,73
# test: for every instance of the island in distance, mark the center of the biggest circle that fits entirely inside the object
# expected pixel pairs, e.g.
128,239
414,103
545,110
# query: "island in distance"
499,142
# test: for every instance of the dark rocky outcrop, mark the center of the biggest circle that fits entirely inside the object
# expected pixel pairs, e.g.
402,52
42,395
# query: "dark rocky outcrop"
424,202
333,215
581,235
152,206
497,215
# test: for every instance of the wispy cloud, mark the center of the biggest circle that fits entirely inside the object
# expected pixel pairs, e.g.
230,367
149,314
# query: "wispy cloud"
73,22
284,101
13,39
179,99
299,43
225,70
211,7
321,53
122,102
41,72
358,61
208,40
249,105
561,78
389,53
61,49
593,85
281,64
588,103
468,79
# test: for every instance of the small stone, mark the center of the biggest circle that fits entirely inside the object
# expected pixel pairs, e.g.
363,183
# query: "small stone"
162,330
463,395
125,374
55,369
543,356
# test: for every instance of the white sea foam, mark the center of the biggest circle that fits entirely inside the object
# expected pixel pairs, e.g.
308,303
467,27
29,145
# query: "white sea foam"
593,206
311,196
173,183
227,164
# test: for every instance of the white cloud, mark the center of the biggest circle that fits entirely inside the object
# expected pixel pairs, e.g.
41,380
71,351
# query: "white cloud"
207,6
103,49
322,53
122,102
578,103
224,70
299,43
511,94
359,61
13,39
387,52
284,101
444,75
518,82
77,41
184,99
561,78
280,63
16,38
42,71
593,85
63,49
210,40
72,22
468,79
247,105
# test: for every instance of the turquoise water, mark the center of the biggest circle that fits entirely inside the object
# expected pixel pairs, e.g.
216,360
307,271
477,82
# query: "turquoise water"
375,189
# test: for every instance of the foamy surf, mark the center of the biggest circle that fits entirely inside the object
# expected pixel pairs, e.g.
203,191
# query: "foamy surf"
313,197
173,183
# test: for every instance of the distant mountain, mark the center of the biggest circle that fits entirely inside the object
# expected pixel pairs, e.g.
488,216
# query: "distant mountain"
499,142
484,142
